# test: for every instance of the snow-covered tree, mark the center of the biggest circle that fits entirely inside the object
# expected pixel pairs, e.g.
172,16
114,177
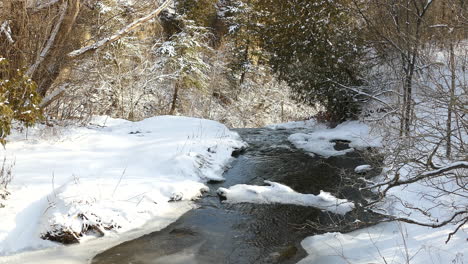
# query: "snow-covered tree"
244,37
314,46
18,99
184,59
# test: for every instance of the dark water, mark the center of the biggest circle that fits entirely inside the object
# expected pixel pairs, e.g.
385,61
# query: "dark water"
218,232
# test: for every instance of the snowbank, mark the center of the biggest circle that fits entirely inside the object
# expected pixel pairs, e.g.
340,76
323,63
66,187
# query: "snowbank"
279,193
110,177
386,243
293,125
320,141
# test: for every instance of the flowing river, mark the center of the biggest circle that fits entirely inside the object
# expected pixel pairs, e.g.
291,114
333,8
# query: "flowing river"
219,232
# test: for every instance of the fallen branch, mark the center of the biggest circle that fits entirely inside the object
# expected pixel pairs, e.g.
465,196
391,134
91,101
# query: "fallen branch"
121,32
47,100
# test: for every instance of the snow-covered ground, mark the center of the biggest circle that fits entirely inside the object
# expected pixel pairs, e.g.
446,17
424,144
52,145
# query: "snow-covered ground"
279,193
387,243
112,177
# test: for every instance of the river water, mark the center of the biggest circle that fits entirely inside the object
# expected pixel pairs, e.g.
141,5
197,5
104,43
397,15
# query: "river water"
218,232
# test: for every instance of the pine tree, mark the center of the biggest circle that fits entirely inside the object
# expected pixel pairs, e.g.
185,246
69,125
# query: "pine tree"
314,47
183,59
243,33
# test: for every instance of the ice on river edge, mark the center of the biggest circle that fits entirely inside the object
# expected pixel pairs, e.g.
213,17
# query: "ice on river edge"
279,193
112,173
320,140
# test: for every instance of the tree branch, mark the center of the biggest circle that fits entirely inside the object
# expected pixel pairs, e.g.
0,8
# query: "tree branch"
397,182
5,29
44,5
47,100
50,42
432,225
121,32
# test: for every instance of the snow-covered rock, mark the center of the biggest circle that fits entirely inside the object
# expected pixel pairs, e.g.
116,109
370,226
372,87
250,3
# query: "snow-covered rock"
363,168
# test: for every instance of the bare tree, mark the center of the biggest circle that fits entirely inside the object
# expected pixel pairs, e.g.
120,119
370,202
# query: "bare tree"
397,30
53,24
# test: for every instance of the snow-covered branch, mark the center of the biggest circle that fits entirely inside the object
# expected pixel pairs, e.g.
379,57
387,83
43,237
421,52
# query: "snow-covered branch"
362,93
428,174
130,27
5,29
50,41
44,5
47,100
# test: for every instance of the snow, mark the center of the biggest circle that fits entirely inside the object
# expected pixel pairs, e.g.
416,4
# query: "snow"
398,242
115,173
320,141
386,243
363,168
293,125
279,193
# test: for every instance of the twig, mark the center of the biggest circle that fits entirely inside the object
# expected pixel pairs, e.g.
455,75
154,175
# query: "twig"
121,176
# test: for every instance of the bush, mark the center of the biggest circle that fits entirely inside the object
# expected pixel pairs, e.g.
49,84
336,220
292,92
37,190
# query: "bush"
19,99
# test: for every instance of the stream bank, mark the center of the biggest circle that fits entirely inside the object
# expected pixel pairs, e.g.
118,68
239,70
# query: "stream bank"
219,232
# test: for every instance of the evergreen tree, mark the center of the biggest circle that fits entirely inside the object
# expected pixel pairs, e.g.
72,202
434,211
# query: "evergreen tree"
18,99
314,47
183,59
202,12
243,33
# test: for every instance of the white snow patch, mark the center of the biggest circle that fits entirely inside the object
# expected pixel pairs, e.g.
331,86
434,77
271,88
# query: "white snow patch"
293,125
320,141
362,168
279,193
387,243
115,172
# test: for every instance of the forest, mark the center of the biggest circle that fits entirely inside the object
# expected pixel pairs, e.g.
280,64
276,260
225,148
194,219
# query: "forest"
395,71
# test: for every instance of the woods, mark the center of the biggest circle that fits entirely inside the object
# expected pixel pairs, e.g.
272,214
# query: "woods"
398,66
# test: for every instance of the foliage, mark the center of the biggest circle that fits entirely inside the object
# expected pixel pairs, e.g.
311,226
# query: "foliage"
244,35
183,58
312,45
316,49
202,12
18,99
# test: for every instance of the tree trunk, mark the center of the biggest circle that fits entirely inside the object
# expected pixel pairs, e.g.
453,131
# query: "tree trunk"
451,101
57,58
174,99
408,102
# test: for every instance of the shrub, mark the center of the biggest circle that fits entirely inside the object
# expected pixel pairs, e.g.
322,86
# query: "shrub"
19,99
